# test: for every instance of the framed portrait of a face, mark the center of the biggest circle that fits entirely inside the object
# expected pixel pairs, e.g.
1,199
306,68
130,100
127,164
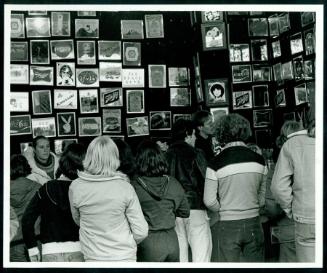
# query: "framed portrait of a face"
133,77
44,127
65,99
39,51
180,97
132,53
160,120
111,120
18,51
41,100
259,50
137,126
37,27
17,26
157,76
41,75
109,50
89,126
60,23
241,73
86,52
62,49
178,76
132,29
111,97
296,43
19,101
19,74
309,41
86,28
65,74
110,72
260,95
213,36
242,100
258,27
212,16
88,99
239,53
216,92
20,125
87,77
66,124
135,101
154,26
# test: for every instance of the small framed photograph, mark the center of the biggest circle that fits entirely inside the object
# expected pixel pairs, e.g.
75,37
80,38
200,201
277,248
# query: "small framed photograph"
157,76
38,27
37,12
218,112
86,52
86,13
277,68
18,51
309,41
183,116
110,72
25,145
258,27
284,22
212,16
242,100
239,53
111,120
298,68
17,26
111,97
259,50
41,75
273,25
135,101
154,26
132,29
60,23
307,18
41,100
39,52
65,99
287,71
61,144
65,74
180,97
133,77
309,69
160,120
20,125
19,74
262,118
132,53
276,50
86,28
87,77
62,49
213,36
216,92
109,50
300,93
66,124
241,73
261,73
44,127
89,126
280,99
19,102
260,95
296,43
88,99
137,126
178,76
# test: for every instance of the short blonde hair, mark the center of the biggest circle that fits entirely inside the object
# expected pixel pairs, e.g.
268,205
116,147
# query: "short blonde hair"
290,126
102,157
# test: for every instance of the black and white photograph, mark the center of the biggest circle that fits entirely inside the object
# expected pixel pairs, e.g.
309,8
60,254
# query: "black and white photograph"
241,73
298,68
133,77
309,69
296,43
131,53
65,74
276,50
181,116
260,95
216,92
132,29
278,73
287,71
88,101
37,27
19,74
214,36
41,101
89,126
307,18
110,72
39,52
19,101
62,49
180,97
111,120
60,24
157,76
135,101
160,120
86,28
17,26
300,93
178,76
64,99
109,50
273,22
86,52
239,52
280,99
137,126
212,15
284,22
242,100
20,125
41,75
111,97
261,73
19,51
258,27
154,27
87,77
259,50
66,124
309,37
44,127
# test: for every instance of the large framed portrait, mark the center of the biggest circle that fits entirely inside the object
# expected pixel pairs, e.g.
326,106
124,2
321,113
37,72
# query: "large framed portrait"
87,77
111,120
178,76
241,73
88,99
60,23
132,53
19,101
239,52
41,75
242,100
66,124
86,28
20,125
62,49
133,77
86,52
258,26
111,97
137,126
19,74
216,92
65,99
17,26
18,51
180,97
89,126
154,26
160,120
213,36
157,76
41,100
65,74
109,50
39,52
37,27
110,72
44,127
132,29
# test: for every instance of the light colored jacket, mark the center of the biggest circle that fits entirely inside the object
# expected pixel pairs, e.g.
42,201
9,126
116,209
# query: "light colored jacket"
293,183
39,175
109,215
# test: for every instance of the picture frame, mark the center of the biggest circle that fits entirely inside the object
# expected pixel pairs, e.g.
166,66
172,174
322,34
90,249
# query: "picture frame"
86,52
296,43
110,72
307,18
111,97
87,77
259,50
212,16
61,144
109,50
180,97
309,41
65,99
258,27
65,74
41,102
277,68
19,74
20,125
239,53
66,124
273,22
83,13
17,26
157,75
300,94
60,24
242,100
86,28
287,71
298,68
160,120
62,49
18,51
280,99
132,29
137,126
41,75
25,145
261,73
131,53
133,77
241,73
39,52
88,101
89,126
135,101
284,22
216,92
276,49
44,127
111,120
154,26
218,112
262,118
213,36
37,27
37,12
260,95
309,69
19,101
178,76
183,116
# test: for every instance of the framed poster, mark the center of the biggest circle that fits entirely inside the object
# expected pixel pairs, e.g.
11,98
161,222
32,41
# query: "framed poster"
273,25
280,99
20,125
239,53
37,27
110,72
154,26
88,99
86,28
160,120
132,29
284,22
39,52
287,71
65,74
62,49
44,127
137,126
85,52
89,126
157,76
258,27
309,41
241,73
262,118
183,116
277,68
18,51
178,76
260,95
261,73
307,18
41,75
60,23
309,69
132,53
111,120
212,16
259,50
216,92
65,99
180,97
133,77
300,93
37,12
66,124
242,100
41,100
17,26
213,36
19,102
218,112
111,97
135,101
298,68
19,74
61,144
296,43
86,13
276,49
109,50
87,77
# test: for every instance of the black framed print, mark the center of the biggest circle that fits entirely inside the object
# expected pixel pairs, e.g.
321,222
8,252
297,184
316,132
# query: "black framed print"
214,36
62,49
216,92
41,100
260,95
241,73
66,124
60,23
135,101
18,51
20,125
111,97
160,120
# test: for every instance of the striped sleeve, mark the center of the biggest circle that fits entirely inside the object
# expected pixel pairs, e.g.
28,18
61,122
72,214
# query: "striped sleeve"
210,190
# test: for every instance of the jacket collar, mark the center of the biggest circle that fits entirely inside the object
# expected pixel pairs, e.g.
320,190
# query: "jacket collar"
234,143
100,178
298,133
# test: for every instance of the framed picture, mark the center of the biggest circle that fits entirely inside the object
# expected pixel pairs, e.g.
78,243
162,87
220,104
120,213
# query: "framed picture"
262,118
287,71
132,29
62,49
111,97
261,73
25,145
17,26
109,50
133,77
41,100
178,76
309,41
277,68
87,77
183,116
275,45
216,92
37,12
44,127
296,43
284,22
18,51
260,95
132,53
111,120
88,99
39,52
212,16
86,13
41,75
309,69
66,124
180,97
89,126
65,99
60,23
298,68
241,73
242,100
19,102
154,26
273,22
160,120
137,126
20,125
86,28
280,99
86,52
300,93
37,27
213,36
259,50
110,72
239,53
197,79
19,74
307,18
258,26
65,74
157,76
217,112
135,101
61,144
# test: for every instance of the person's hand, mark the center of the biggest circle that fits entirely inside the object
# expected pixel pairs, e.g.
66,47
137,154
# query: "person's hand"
35,258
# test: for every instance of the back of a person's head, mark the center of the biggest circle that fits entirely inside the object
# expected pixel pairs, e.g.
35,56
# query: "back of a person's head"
19,166
200,117
126,157
290,126
181,129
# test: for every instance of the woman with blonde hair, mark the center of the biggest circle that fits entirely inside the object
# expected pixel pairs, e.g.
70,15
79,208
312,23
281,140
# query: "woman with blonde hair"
106,207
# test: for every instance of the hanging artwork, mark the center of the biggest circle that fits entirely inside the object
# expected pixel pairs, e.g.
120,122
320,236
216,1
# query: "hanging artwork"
137,126
37,27
86,28
135,101
154,26
20,125
62,49
17,26
216,92
60,23
213,36
66,124
65,74
157,76
132,29
41,102
111,120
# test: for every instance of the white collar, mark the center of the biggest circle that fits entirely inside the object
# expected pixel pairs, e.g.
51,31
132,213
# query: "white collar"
302,132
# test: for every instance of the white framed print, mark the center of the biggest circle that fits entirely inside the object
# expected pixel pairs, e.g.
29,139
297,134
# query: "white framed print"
66,124
87,77
132,29
86,28
62,49
41,101
37,27
89,126
20,125
65,99
111,97
19,101
110,72
160,120
41,75
133,77
65,74
137,126
131,53
88,99
135,101
60,23
109,50
44,127
19,74
178,76
111,119
85,52
180,97
39,52
157,75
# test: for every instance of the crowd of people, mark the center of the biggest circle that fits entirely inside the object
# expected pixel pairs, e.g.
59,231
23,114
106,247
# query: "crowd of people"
187,203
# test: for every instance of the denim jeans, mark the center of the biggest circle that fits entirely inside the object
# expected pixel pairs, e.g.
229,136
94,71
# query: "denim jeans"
305,240
18,253
241,241
286,238
63,257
